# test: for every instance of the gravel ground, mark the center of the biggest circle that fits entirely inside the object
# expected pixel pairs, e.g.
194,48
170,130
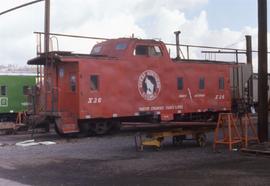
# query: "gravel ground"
113,160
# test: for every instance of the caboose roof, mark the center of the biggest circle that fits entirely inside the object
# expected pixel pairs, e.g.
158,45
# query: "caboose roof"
109,51
63,56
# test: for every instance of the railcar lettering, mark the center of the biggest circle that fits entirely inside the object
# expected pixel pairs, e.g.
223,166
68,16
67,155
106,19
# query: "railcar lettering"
3,102
95,100
144,108
182,96
220,97
174,107
199,95
160,108
157,108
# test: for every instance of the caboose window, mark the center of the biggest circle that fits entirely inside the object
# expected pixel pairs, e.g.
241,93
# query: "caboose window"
148,50
201,84
180,83
94,82
72,81
141,50
154,51
221,83
121,46
96,50
3,90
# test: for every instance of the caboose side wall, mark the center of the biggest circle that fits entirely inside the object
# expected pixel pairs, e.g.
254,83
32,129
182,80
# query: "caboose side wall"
119,88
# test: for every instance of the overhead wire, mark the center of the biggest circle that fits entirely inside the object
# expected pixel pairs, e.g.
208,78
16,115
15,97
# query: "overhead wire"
20,6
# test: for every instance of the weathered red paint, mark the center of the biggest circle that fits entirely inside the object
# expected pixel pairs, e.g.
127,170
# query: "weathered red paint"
122,80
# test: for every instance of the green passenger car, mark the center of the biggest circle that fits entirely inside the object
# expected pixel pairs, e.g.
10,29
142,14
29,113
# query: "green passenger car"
14,89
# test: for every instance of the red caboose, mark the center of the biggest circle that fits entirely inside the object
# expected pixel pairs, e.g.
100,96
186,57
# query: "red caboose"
129,79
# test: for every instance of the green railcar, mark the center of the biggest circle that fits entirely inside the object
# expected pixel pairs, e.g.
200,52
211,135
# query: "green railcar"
14,91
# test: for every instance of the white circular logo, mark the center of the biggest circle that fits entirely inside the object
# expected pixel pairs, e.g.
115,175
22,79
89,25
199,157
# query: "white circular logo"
149,85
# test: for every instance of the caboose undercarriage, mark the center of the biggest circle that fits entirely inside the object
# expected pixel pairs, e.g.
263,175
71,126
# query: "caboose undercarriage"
100,126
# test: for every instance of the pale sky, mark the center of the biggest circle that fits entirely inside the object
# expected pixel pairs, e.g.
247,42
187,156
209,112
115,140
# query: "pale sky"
221,23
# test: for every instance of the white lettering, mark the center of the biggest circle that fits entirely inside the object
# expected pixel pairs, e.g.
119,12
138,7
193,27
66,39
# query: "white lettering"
144,108
199,95
220,97
95,100
182,95
157,108
160,108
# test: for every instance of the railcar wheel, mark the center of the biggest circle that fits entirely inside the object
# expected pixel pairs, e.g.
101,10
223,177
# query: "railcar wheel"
101,127
201,139
178,140
84,129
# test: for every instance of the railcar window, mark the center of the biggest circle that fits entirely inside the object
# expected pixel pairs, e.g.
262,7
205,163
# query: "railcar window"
72,81
61,72
201,83
141,50
94,82
3,90
25,90
221,83
147,50
121,46
180,83
96,49
154,51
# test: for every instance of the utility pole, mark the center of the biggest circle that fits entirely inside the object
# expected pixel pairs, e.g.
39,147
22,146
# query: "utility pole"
262,72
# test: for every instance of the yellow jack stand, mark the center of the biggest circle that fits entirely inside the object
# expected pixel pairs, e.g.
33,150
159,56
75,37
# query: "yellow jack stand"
155,139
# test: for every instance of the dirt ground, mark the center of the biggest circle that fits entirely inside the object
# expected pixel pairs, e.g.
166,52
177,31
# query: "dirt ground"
113,160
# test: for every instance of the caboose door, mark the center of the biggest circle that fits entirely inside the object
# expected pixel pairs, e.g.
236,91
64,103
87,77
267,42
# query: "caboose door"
67,88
